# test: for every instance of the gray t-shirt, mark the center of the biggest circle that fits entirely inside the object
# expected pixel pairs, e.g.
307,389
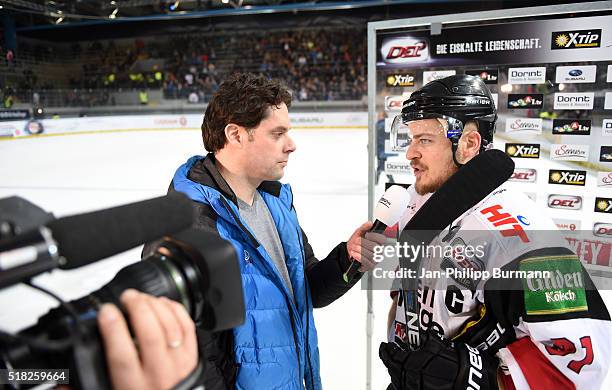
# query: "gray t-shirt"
258,218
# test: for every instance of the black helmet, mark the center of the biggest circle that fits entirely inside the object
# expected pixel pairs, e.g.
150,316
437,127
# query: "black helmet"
460,97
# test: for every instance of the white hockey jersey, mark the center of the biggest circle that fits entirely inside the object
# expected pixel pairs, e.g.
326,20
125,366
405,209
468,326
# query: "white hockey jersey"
519,293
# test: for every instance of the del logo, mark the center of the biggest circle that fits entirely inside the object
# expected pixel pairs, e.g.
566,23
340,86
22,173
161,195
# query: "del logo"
604,179
489,76
605,154
523,150
565,152
580,39
400,80
567,202
508,225
571,126
603,205
571,178
525,175
531,125
574,100
534,100
602,229
394,103
404,50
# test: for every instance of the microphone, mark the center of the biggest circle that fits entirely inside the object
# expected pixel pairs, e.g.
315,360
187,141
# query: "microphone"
387,212
78,240
462,191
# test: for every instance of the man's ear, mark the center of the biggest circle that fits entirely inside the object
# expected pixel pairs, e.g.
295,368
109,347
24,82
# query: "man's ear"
233,134
469,146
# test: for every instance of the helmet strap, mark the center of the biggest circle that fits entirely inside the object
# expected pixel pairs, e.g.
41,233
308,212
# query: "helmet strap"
454,145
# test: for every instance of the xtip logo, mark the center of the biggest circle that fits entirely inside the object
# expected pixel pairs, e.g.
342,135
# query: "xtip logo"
603,205
400,80
581,39
523,150
571,178
404,50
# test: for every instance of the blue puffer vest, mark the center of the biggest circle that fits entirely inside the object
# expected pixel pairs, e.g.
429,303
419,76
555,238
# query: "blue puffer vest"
276,347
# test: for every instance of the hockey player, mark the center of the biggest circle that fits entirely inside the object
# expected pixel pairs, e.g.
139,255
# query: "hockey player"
549,331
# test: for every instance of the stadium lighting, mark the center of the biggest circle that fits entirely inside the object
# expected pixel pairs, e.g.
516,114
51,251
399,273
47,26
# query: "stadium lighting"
114,14
59,20
174,6
225,1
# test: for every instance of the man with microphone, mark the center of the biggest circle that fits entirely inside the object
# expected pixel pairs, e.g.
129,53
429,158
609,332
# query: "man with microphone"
236,192
530,332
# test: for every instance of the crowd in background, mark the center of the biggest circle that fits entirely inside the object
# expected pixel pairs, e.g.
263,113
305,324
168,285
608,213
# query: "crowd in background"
319,65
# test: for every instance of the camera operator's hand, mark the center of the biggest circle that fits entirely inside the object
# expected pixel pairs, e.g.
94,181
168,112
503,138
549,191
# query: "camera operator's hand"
165,335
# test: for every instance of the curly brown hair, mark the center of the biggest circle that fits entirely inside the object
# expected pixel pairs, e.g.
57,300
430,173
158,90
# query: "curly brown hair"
243,99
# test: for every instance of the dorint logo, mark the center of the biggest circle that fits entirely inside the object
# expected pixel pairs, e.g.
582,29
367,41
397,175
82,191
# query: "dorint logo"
534,100
404,50
523,150
577,39
565,202
566,152
605,154
571,126
489,76
400,80
574,100
524,175
429,76
576,74
530,125
394,103
397,167
604,179
566,177
603,205
601,229
567,224
533,75
606,127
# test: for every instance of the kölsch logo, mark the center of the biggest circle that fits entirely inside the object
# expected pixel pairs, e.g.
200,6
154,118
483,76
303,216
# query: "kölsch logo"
567,224
566,202
603,205
530,125
574,100
604,179
606,127
535,75
524,175
576,74
534,100
400,80
429,76
394,103
605,154
565,177
602,229
489,76
577,39
571,126
404,50
523,150
565,152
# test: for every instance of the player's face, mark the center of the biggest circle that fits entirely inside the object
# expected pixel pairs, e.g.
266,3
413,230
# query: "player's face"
269,145
430,155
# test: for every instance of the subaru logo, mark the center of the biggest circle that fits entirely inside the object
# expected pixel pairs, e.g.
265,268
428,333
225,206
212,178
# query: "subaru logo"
575,72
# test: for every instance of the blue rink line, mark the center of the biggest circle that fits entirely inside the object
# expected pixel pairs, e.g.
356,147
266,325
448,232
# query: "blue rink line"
320,128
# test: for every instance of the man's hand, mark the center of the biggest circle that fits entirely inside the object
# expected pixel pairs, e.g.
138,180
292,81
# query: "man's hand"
361,245
165,335
439,364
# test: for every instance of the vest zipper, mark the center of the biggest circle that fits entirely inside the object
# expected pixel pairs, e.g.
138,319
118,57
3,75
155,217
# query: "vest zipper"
306,288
